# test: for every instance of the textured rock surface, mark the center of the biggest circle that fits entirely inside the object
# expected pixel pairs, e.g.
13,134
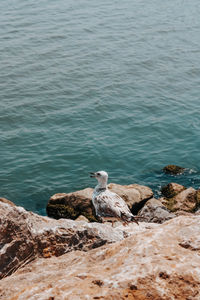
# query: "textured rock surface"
78,203
188,200
155,211
172,189
133,194
173,169
4,200
25,236
159,263
82,218
72,205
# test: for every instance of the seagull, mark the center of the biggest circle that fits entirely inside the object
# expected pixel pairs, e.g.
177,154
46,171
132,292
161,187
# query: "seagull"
108,205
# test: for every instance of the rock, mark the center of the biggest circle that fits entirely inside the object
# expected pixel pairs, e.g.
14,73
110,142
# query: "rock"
134,194
197,212
82,218
78,203
72,205
162,262
198,199
187,200
155,211
172,189
173,169
24,236
182,213
4,200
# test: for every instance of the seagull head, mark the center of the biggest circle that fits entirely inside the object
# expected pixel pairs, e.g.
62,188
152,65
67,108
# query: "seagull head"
101,176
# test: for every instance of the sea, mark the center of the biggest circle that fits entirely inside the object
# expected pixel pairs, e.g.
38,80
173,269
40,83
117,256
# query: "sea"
97,85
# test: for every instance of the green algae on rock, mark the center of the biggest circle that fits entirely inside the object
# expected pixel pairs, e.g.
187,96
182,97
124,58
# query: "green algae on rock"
187,200
172,189
169,203
72,205
173,169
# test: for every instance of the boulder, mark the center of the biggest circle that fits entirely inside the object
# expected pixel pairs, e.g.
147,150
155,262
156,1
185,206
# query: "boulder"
134,195
78,203
24,236
155,211
161,262
188,200
173,169
172,189
72,205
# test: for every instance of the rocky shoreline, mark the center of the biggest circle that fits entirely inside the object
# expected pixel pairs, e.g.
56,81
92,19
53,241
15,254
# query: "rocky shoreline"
73,256
175,200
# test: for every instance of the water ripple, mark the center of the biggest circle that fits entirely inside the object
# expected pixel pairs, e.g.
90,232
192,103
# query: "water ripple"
97,85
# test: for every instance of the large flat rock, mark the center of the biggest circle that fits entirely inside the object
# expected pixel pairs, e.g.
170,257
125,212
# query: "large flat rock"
156,262
24,236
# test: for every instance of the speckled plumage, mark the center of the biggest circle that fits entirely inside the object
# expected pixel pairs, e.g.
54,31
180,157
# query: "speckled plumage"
108,204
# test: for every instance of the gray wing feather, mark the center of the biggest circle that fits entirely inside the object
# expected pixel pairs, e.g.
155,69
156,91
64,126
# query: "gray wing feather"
109,204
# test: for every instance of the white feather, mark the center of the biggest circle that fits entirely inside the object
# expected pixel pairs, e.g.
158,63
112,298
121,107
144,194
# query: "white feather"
107,203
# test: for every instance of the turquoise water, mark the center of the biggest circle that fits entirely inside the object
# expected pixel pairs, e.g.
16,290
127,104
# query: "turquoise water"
91,85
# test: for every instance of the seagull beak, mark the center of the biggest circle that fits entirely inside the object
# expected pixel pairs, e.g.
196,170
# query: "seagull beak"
92,175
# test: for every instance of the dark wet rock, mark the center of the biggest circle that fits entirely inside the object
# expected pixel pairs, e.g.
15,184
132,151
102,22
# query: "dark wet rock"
155,211
172,189
72,205
173,169
187,200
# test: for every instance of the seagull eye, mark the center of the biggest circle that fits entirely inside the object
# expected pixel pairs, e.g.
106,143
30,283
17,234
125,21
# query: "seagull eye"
98,174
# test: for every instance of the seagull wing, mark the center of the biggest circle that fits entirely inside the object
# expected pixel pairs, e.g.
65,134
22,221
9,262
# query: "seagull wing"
109,204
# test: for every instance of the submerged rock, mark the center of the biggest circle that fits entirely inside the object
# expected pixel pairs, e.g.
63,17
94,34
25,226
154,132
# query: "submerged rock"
160,262
72,205
173,169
